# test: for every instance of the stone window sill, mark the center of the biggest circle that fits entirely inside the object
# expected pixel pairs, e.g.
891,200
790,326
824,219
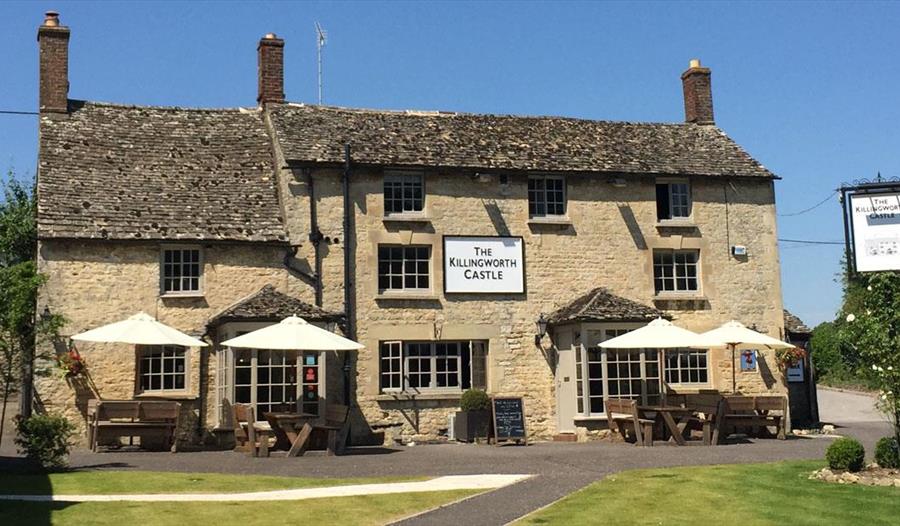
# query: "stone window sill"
680,297
402,397
192,295
560,221
406,218
675,223
167,396
592,418
425,296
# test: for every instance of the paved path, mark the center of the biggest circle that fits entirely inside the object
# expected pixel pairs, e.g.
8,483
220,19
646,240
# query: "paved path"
448,483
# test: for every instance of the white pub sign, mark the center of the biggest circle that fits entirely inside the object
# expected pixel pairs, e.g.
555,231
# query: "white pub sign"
484,264
876,231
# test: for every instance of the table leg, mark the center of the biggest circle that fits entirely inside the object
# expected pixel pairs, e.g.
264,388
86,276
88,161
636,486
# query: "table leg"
673,427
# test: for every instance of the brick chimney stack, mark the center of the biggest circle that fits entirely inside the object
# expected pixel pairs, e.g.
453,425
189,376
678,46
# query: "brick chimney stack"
53,43
698,106
271,69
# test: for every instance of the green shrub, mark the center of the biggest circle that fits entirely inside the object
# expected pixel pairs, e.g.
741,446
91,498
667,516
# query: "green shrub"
475,400
887,454
846,454
45,439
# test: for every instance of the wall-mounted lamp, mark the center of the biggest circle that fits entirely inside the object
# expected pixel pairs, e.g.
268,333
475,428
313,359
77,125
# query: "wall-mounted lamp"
541,324
618,182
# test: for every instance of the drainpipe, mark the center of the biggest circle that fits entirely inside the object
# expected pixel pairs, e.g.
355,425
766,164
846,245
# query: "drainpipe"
348,281
315,236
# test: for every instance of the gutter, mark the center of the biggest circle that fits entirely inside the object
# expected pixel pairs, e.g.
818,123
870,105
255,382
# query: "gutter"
348,280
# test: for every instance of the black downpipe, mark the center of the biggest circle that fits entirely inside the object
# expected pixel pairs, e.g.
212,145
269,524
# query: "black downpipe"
315,236
348,280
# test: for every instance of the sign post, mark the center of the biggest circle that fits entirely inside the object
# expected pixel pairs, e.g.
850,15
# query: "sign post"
871,214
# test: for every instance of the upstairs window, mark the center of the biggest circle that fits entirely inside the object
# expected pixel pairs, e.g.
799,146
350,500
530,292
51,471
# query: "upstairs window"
404,268
675,271
181,270
546,195
673,200
404,193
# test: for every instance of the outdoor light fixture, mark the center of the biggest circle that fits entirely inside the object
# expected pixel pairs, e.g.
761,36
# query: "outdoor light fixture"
541,324
618,182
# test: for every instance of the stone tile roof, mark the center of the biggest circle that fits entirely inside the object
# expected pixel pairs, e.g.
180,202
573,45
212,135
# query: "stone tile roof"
794,324
129,172
318,134
601,305
269,304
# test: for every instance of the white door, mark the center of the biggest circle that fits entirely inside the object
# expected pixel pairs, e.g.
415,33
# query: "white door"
565,383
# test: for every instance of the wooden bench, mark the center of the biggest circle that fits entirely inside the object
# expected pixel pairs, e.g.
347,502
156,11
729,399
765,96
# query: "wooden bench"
755,412
250,434
132,418
622,415
709,410
334,426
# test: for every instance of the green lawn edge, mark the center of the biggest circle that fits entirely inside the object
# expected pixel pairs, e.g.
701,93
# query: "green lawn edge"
746,494
102,482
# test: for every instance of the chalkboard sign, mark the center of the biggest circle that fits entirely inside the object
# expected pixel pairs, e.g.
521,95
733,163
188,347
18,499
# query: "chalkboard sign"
509,420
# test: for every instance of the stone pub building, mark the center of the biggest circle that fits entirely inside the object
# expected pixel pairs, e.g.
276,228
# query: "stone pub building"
435,239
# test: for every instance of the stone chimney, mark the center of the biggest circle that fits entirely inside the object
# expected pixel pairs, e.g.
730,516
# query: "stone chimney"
698,106
53,43
271,69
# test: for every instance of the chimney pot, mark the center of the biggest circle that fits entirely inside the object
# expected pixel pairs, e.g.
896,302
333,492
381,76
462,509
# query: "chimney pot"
51,19
270,69
53,47
697,85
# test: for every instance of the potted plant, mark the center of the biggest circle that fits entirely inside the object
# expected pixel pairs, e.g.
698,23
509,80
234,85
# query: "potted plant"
473,420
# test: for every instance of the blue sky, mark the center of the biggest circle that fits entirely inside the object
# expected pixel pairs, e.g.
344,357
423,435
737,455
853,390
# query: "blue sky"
808,89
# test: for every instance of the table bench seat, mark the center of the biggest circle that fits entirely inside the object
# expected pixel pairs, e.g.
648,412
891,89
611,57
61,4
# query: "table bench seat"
112,419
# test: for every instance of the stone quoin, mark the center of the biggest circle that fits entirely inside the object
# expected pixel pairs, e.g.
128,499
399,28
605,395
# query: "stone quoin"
221,221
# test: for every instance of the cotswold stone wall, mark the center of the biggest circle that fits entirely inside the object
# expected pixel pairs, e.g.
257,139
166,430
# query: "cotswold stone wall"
608,243
95,283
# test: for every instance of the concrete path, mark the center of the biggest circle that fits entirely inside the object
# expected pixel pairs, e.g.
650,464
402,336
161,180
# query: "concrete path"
448,483
847,406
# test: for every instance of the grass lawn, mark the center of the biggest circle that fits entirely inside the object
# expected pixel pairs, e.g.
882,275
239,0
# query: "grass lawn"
777,493
105,482
363,510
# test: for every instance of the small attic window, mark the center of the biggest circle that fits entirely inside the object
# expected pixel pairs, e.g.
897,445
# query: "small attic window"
673,199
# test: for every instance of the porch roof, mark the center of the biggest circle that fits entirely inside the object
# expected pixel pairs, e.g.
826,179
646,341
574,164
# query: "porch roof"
601,305
268,304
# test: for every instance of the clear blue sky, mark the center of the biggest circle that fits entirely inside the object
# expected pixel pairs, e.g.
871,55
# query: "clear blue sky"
810,90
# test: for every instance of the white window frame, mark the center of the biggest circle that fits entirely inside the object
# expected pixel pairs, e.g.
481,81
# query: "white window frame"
143,350
675,272
403,274
687,194
404,359
543,193
679,369
583,393
162,270
405,178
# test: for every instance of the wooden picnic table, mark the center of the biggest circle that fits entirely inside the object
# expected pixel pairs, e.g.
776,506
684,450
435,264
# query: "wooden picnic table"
665,416
286,427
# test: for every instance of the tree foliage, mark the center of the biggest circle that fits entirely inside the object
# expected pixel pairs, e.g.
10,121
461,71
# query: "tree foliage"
872,329
21,330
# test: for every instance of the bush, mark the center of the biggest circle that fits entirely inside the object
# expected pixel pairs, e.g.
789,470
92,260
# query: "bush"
45,439
475,400
887,454
846,454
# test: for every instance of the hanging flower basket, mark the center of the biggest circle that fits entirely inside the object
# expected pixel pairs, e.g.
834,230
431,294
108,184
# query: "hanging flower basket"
791,357
71,363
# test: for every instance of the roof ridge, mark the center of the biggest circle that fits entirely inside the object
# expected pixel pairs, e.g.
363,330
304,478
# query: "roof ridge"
102,104
448,113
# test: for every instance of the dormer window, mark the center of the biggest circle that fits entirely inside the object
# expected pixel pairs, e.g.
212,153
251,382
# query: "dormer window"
673,200
404,193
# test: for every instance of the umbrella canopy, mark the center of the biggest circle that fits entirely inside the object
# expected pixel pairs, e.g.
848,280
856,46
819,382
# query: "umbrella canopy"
735,333
661,334
293,334
140,329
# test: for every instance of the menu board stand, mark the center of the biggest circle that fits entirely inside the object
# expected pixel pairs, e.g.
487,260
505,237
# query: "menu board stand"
509,420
